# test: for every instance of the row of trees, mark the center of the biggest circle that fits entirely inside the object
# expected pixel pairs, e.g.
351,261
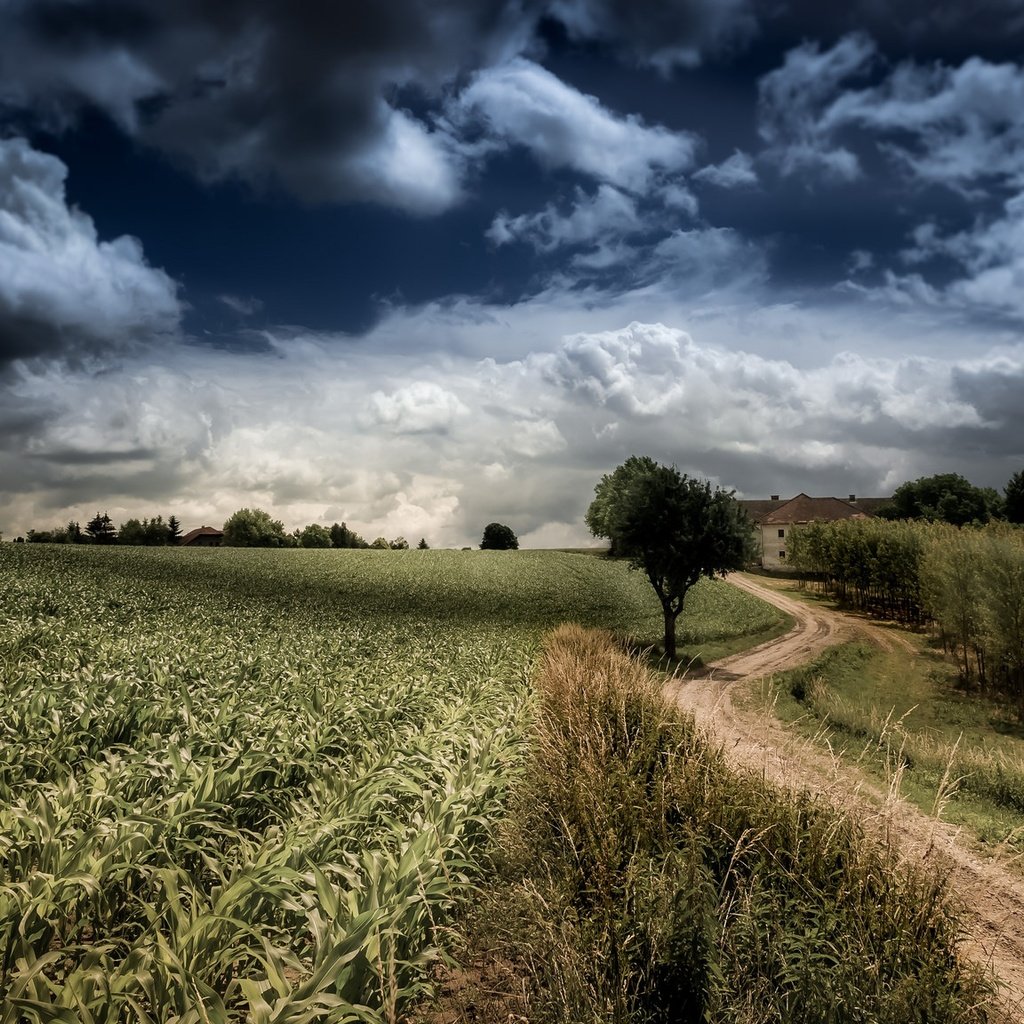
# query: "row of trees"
968,582
255,528
100,529
972,583
870,564
246,528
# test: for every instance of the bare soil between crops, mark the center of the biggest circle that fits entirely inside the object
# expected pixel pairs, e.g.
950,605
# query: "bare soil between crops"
990,894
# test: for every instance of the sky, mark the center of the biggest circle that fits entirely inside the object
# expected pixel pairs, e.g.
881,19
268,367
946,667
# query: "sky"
424,265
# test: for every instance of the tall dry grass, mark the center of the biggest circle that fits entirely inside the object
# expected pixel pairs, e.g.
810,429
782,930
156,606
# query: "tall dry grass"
646,881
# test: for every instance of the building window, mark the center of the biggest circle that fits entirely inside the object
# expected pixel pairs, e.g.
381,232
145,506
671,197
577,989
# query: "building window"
782,533
782,556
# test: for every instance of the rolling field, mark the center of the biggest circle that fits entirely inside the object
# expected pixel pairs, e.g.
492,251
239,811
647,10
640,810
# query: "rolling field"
252,785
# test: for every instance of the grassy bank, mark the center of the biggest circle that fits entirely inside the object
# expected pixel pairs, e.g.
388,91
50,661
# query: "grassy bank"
903,714
645,881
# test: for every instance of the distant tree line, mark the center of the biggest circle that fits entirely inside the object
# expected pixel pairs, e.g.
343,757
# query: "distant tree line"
875,565
255,528
100,529
247,527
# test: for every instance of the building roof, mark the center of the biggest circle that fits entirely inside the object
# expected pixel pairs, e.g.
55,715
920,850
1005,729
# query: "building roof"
202,531
870,505
758,508
805,509
763,510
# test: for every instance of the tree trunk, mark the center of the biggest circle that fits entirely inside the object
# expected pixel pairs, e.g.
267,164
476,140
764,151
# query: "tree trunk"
670,632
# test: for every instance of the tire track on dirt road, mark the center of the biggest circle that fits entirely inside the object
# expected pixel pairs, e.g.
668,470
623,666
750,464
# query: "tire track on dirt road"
992,897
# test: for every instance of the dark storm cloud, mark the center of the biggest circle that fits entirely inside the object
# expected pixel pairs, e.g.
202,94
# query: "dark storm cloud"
948,30
20,420
334,101
625,166
997,392
661,33
149,484
71,457
309,95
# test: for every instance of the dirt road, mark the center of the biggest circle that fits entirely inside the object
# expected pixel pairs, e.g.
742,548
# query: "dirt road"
992,896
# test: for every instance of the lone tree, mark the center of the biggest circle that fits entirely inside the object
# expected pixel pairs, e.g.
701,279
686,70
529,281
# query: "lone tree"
498,537
674,528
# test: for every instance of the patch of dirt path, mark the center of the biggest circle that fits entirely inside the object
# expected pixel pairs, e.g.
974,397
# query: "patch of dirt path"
992,897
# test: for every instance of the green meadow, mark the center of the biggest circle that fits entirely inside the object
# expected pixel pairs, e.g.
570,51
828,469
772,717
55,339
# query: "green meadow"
907,720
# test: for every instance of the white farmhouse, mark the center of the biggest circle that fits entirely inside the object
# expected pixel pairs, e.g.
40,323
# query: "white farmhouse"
775,520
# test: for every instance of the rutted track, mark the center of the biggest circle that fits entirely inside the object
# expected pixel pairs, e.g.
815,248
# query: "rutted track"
992,897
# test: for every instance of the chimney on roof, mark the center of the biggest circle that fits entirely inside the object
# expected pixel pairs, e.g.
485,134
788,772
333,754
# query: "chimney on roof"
853,497
775,497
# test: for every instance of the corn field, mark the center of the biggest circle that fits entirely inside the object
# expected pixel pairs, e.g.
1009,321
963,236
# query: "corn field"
254,785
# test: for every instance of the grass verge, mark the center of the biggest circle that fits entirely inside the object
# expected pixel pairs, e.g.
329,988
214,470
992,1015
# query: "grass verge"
957,754
643,880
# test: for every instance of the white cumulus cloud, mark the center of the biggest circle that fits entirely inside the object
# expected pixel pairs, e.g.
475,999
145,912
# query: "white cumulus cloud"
404,164
606,213
735,172
793,101
63,291
524,104
966,123
421,407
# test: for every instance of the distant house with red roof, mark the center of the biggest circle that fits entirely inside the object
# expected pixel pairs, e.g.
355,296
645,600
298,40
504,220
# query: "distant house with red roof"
204,537
775,519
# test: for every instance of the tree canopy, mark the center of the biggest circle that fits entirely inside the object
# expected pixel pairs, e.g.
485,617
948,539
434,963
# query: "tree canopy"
499,537
315,536
253,528
599,516
1014,492
343,537
101,529
151,532
173,530
945,498
672,527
